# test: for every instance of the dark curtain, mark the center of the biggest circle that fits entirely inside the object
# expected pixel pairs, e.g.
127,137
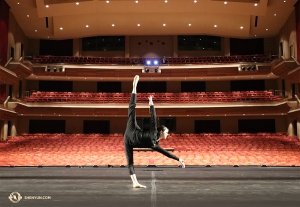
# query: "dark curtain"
246,46
2,93
56,47
47,126
4,16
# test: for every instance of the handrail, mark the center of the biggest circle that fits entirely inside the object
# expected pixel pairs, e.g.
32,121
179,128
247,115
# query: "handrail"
8,62
297,99
6,100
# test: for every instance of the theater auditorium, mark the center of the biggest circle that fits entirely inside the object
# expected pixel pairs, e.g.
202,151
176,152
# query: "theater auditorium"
225,80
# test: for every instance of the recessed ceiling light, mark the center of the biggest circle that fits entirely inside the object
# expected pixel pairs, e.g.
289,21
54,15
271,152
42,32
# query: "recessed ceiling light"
113,25
190,25
255,4
195,1
267,29
136,1
138,25
35,30
275,15
86,25
61,28
107,1
77,3
215,25
166,1
241,27
27,15
47,6
284,1
225,2
18,3
164,25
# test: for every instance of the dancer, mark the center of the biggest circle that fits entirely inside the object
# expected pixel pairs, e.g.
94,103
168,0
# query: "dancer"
136,137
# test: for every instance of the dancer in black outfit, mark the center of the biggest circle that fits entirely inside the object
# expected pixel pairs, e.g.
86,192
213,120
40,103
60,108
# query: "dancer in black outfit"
136,137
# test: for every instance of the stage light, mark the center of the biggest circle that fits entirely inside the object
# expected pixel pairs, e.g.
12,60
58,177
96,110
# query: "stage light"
155,62
148,62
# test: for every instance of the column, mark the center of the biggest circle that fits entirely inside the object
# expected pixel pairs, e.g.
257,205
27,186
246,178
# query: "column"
298,129
127,46
4,130
76,47
226,46
290,130
175,46
13,130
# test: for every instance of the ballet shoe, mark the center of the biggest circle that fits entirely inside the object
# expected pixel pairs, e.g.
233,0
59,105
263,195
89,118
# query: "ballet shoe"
137,185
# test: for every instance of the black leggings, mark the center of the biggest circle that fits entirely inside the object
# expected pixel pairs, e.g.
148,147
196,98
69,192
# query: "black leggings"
129,136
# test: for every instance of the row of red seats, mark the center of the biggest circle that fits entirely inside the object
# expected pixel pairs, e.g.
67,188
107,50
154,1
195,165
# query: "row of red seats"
196,149
142,61
185,97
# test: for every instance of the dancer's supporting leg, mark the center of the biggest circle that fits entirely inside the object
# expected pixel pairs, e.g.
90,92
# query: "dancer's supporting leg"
129,148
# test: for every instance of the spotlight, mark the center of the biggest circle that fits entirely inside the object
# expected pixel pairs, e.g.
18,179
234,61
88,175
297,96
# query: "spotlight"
155,62
148,62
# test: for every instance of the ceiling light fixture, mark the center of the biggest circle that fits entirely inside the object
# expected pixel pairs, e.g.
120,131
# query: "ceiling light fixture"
225,2
255,4
195,1
47,6
190,25
136,1
61,28
215,25
27,15
86,25
113,25
164,25
241,27
166,1
77,3
107,2
138,25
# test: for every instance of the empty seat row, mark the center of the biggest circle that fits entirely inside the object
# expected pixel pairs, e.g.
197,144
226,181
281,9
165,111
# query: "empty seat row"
142,61
184,97
276,149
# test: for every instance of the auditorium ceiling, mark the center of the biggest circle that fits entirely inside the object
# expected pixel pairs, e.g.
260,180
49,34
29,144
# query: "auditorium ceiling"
69,19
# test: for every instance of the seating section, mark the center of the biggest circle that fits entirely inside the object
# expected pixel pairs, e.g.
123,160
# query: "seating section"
195,149
192,97
142,61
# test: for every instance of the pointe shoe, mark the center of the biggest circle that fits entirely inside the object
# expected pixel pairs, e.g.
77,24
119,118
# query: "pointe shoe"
137,185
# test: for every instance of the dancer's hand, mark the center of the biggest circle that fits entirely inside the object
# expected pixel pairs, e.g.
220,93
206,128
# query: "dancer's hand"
182,163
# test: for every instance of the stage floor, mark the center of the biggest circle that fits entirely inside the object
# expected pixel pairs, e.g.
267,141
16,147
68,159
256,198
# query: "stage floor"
166,187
